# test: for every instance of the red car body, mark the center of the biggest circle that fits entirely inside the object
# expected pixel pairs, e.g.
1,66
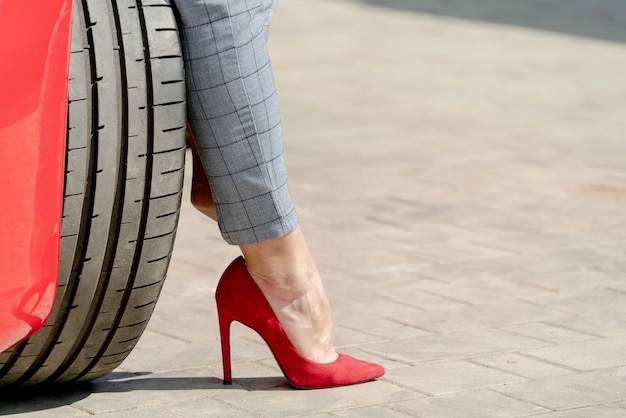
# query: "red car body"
34,57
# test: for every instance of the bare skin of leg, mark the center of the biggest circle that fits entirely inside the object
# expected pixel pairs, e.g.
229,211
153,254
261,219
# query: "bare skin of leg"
285,271
201,197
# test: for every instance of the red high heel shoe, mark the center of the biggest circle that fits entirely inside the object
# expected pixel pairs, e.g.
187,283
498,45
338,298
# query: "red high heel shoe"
239,299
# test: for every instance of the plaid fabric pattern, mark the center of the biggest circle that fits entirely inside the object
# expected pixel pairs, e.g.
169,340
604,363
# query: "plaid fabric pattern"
234,114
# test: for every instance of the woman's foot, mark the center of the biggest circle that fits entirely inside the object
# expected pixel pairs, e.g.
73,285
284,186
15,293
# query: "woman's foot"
240,299
286,273
201,197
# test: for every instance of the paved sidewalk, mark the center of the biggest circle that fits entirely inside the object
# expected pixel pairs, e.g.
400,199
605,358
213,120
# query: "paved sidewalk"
462,184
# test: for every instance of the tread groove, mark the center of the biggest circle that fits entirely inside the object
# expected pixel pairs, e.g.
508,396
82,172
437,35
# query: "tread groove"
147,190
118,202
114,233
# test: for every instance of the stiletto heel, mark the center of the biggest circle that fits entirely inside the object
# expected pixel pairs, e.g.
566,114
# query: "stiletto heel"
224,320
240,299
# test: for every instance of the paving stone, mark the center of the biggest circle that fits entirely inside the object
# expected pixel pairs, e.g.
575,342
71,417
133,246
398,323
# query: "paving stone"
245,344
141,412
507,232
118,392
283,402
17,405
369,280
521,365
598,324
319,416
566,260
549,333
370,411
480,290
615,269
255,375
569,279
369,306
452,346
571,391
458,252
421,298
343,336
584,300
247,348
495,314
466,272
588,355
450,376
177,357
186,320
477,403
361,255
429,230
203,407
604,411
384,328
155,338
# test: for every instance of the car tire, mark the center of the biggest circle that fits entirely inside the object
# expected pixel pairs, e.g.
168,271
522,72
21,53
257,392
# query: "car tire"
124,177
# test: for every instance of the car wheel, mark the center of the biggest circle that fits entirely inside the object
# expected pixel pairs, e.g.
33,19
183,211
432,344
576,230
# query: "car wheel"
124,177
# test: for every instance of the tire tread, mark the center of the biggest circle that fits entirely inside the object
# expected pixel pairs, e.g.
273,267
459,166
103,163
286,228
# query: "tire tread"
124,173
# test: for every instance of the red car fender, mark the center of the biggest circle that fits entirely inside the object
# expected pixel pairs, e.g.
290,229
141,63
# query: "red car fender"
34,61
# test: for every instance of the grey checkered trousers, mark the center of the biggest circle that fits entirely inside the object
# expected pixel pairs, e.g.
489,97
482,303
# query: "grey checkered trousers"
233,112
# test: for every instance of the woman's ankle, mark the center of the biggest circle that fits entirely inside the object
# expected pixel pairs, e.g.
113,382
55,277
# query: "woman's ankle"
283,267
201,196
286,273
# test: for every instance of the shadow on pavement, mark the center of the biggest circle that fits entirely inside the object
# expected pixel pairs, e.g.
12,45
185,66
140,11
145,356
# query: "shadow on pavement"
28,400
601,19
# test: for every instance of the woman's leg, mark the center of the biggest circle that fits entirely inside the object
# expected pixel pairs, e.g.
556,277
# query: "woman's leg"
234,115
285,271
201,196
233,112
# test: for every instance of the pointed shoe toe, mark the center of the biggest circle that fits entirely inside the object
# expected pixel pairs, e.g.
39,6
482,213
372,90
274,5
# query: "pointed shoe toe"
240,299
346,370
